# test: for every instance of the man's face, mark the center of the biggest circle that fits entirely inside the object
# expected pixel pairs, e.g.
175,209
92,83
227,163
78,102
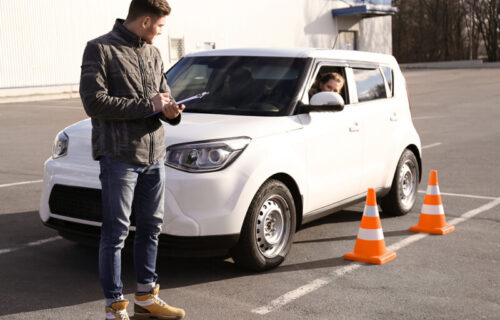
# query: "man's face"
152,26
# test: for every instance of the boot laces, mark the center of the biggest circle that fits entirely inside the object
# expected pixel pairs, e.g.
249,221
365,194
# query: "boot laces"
122,314
159,301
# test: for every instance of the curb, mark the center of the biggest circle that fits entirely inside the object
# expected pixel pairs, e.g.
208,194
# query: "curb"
24,94
459,64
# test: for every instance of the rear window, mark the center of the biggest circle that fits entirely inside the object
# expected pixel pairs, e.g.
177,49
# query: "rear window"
369,84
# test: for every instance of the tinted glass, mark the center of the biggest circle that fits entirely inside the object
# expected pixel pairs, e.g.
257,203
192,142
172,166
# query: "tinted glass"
237,85
388,77
370,84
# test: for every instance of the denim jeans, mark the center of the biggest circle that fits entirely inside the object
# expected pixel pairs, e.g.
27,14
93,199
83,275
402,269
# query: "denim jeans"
128,187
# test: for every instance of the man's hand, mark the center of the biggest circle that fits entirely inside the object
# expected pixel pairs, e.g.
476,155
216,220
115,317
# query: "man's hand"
160,100
171,110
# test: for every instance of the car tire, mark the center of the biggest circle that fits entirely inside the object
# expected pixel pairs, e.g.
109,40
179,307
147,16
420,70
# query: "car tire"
268,229
401,198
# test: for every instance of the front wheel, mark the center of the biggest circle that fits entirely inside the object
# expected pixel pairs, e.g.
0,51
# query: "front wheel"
401,199
268,229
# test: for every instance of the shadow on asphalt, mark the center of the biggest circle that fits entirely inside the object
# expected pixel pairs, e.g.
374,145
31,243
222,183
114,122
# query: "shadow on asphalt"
61,273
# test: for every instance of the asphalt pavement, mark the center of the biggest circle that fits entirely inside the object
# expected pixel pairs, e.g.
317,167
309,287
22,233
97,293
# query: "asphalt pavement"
455,276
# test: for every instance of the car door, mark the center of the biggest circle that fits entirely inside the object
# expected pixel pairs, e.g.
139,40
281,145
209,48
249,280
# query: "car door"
334,153
378,119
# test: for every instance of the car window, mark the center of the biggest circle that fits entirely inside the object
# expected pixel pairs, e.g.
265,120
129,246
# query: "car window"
369,84
193,80
242,85
326,73
388,78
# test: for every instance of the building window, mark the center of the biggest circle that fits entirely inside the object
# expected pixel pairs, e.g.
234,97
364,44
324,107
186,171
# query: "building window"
177,50
347,40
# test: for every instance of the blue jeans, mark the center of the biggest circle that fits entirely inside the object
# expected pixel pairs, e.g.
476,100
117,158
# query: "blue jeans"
128,187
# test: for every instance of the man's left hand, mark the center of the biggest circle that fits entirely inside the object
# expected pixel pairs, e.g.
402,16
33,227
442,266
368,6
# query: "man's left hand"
171,110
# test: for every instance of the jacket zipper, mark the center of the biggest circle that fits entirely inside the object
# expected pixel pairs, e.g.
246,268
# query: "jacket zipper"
145,89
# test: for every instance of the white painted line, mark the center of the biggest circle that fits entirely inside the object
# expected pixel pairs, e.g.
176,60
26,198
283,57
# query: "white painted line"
19,183
426,117
339,272
292,295
38,106
31,244
463,195
432,145
475,212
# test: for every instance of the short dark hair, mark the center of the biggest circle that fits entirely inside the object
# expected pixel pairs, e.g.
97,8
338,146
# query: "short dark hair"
148,7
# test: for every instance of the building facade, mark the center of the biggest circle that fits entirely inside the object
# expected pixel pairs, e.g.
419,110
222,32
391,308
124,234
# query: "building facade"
42,41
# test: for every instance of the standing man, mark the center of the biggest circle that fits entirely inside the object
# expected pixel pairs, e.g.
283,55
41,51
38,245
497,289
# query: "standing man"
121,82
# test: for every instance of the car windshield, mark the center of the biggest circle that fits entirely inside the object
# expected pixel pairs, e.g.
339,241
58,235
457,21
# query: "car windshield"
258,86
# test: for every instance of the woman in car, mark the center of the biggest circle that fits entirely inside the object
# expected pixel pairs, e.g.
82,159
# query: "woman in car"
331,81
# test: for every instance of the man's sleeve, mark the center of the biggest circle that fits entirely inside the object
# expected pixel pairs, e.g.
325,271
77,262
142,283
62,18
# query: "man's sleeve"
164,88
94,91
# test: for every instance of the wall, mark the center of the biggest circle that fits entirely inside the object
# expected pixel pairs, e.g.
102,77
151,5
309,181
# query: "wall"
375,34
43,40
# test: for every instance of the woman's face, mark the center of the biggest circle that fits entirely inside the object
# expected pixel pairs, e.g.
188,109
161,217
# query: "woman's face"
331,85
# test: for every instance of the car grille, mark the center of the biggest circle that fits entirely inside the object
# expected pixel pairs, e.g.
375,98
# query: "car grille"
78,202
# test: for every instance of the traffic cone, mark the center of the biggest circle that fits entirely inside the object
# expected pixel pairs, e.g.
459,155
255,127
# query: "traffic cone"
432,219
370,244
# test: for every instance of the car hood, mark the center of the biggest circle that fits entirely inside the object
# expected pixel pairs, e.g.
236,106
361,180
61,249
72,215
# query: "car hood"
197,127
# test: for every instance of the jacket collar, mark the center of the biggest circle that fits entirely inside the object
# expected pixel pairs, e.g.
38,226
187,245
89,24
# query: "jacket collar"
127,35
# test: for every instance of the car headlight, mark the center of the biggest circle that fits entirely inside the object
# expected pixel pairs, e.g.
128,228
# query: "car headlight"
60,148
205,156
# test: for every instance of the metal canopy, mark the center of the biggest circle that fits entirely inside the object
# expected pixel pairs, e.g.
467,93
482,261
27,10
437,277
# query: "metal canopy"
365,10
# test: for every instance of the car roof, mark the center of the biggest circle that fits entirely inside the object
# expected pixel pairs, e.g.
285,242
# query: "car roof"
334,54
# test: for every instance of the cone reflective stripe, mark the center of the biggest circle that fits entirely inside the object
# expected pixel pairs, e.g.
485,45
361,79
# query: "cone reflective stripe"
370,244
432,219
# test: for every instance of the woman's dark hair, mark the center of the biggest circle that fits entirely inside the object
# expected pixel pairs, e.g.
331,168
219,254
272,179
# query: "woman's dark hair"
148,7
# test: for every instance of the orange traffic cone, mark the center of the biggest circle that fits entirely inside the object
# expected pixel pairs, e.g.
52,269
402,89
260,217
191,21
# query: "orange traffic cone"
370,244
432,219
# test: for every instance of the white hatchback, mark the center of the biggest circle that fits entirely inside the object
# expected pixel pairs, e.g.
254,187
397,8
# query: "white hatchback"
258,157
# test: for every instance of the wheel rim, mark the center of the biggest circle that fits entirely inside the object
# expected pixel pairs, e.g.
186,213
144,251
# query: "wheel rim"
407,184
273,226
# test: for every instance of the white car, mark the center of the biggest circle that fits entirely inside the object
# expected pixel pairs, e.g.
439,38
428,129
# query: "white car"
257,157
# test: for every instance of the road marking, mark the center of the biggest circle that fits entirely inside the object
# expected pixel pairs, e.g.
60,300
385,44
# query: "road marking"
426,117
292,295
40,106
462,195
19,183
339,272
31,244
432,145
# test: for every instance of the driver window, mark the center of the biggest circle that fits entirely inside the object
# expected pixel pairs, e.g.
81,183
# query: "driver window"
330,78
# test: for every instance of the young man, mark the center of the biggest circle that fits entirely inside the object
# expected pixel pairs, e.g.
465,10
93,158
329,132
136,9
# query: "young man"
121,82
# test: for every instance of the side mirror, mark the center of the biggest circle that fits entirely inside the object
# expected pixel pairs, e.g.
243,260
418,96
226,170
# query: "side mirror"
324,102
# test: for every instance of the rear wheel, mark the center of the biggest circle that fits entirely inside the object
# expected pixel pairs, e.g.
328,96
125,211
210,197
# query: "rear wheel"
268,229
401,199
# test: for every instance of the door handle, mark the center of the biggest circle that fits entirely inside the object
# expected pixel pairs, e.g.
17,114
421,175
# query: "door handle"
354,127
394,116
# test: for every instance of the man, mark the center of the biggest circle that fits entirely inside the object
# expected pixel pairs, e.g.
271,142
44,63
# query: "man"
121,82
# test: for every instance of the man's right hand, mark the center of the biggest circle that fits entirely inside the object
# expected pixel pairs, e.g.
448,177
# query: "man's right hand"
160,100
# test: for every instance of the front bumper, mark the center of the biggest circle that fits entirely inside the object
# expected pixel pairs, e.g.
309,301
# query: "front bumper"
196,205
175,246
